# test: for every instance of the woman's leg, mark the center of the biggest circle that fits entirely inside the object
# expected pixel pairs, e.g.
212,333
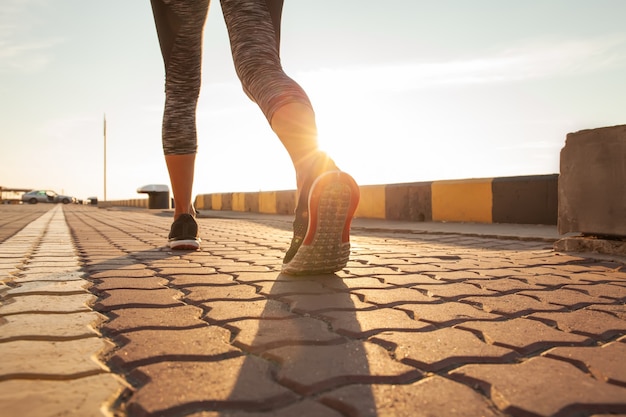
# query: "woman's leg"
327,198
254,30
181,172
180,25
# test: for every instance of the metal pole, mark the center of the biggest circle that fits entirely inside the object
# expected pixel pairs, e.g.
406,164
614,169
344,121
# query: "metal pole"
105,157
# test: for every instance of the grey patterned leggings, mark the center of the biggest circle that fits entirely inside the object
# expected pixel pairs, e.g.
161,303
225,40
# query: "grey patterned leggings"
254,31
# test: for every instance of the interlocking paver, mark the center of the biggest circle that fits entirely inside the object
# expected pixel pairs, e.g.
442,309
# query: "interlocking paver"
523,335
284,287
566,297
616,310
256,336
60,359
311,369
453,291
439,349
48,344
512,305
612,291
84,397
190,269
517,389
119,265
223,311
48,304
438,324
407,280
241,268
144,283
141,272
392,296
366,323
132,319
455,276
446,313
505,285
599,277
208,343
603,362
171,388
304,408
22,277
370,270
41,287
236,291
255,277
352,283
213,279
549,281
433,396
312,303
136,298
488,272
585,322
407,267
49,327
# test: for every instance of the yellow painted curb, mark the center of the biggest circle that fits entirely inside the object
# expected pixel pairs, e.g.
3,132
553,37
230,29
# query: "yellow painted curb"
239,202
201,202
216,201
372,204
462,201
267,202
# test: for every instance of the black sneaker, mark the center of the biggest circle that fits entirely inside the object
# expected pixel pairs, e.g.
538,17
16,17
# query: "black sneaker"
184,233
321,230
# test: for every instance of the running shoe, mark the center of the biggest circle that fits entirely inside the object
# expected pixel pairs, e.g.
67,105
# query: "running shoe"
184,233
321,238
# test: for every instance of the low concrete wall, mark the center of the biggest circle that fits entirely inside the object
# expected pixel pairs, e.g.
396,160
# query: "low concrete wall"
518,200
134,202
592,187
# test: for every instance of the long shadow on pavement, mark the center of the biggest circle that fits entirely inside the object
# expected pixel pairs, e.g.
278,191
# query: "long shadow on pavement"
268,346
306,357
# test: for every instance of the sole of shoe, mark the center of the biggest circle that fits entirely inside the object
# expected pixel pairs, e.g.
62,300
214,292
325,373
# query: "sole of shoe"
333,199
184,244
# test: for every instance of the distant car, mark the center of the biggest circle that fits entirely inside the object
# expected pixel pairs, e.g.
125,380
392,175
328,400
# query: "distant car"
46,196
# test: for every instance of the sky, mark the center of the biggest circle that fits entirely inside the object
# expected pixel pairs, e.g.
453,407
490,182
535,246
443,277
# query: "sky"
403,90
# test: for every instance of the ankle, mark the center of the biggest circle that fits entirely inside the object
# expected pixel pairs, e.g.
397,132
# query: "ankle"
191,211
313,166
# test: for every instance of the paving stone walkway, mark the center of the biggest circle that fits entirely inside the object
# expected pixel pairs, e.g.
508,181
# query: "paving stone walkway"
48,342
98,318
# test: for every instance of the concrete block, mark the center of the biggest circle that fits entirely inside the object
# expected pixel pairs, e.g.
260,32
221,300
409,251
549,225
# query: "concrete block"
372,202
410,202
239,202
216,201
252,202
267,202
285,202
203,202
592,184
525,200
224,201
462,201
